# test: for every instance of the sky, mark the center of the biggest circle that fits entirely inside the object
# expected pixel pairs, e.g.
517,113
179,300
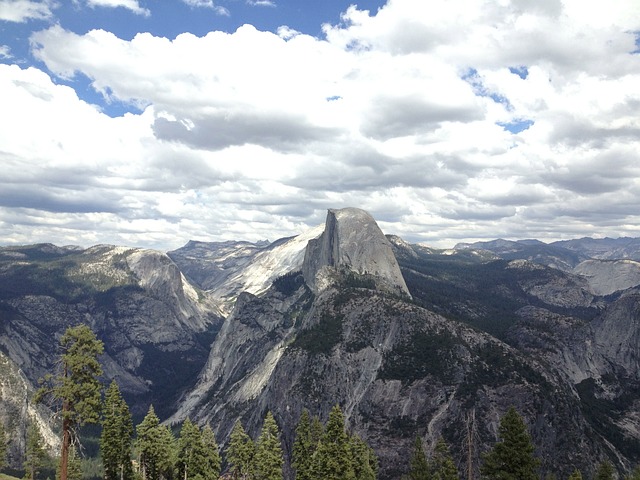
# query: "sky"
149,123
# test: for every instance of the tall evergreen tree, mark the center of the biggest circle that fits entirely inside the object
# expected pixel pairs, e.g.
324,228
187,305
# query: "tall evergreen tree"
635,475
605,471
418,465
191,453
76,388
304,448
576,475
333,457
268,460
74,465
212,454
116,437
512,457
442,465
35,453
155,445
365,463
3,446
240,453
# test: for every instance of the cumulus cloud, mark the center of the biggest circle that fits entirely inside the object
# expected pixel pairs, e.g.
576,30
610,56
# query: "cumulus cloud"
447,121
132,5
207,4
24,10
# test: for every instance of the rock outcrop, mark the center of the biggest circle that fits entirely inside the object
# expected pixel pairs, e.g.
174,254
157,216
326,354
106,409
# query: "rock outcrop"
351,242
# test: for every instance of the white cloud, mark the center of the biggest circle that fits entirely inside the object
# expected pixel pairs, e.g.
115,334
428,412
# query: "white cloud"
404,112
261,3
5,51
23,10
132,5
207,4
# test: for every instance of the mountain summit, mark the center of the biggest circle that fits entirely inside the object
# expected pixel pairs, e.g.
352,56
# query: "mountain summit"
351,242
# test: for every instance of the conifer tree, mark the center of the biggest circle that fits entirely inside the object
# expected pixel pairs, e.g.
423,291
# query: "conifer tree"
35,454
304,448
512,457
240,453
605,471
3,446
212,454
191,452
419,467
635,475
74,466
333,459
76,387
155,445
365,463
268,459
442,465
116,436
576,475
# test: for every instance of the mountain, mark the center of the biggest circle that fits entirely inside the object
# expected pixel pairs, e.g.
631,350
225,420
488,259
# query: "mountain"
155,325
408,340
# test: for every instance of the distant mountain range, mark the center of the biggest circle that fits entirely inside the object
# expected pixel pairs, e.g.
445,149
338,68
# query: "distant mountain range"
408,340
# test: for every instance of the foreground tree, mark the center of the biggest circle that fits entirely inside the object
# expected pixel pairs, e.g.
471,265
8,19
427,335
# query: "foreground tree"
442,466
76,388
35,454
635,475
333,458
156,449
191,454
212,454
576,475
240,453
418,466
74,466
3,446
116,437
605,471
304,448
512,457
364,460
268,459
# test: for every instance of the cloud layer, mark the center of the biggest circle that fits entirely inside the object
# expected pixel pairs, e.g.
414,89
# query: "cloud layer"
448,121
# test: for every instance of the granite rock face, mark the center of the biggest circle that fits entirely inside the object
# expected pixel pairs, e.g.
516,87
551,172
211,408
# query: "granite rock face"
351,242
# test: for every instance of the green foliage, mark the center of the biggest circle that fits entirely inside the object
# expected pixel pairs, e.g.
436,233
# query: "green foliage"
418,465
332,460
635,475
304,446
604,471
442,465
191,460
576,475
156,448
511,458
289,283
74,466
35,454
322,337
3,446
211,454
426,353
116,436
364,460
268,460
240,453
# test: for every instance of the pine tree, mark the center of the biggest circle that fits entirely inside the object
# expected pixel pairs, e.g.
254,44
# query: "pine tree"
304,448
76,388
191,452
418,466
116,437
35,454
268,459
365,463
442,465
605,471
212,454
333,459
576,475
3,446
240,453
635,475
512,458
74,466
155,445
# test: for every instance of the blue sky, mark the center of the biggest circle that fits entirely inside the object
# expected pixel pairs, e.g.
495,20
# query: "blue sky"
150,123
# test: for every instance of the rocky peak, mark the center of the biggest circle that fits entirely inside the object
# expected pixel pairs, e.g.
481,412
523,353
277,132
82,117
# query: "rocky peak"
353,242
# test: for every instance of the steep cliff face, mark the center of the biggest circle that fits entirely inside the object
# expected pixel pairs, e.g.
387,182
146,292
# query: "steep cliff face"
156,327
352,242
